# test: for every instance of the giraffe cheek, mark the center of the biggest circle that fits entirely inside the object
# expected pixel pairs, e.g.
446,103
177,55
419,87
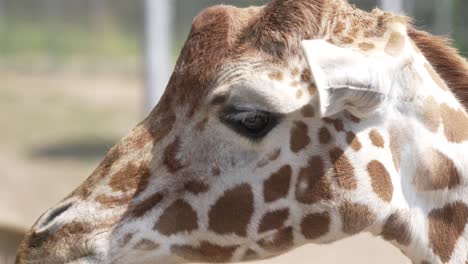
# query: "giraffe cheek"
312,184
314,226
205,252
178,217
232,212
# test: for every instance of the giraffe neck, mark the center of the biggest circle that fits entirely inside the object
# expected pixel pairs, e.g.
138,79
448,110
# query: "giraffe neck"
429,142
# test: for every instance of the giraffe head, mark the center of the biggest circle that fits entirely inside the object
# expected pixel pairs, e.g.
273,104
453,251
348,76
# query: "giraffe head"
272,133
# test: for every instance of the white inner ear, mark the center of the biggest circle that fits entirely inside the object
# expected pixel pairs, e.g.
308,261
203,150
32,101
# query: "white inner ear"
346,79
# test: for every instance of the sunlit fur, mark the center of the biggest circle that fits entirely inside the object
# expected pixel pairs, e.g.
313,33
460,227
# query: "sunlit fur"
183,186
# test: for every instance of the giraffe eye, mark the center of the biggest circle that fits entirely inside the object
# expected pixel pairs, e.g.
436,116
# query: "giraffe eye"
252,123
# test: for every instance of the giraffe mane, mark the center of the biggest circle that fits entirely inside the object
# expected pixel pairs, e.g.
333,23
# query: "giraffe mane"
440,52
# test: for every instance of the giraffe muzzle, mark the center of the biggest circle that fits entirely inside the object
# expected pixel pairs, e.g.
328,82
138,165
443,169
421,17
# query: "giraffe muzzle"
53,240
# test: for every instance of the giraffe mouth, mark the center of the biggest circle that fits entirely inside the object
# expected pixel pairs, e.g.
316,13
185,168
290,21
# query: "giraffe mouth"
83,259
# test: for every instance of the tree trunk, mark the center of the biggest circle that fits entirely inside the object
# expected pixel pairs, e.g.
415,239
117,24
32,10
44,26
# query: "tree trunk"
158,49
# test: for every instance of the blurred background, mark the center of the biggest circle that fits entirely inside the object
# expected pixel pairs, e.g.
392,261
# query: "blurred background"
76,75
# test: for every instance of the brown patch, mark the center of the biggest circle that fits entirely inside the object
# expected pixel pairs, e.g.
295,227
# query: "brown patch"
365,46
331,41
277,186
201,126
436,171
314,226
395,147
113,201
146,245
312,184
446,225
206,252
295,72
455,124
376,138
126,239
299,94
279,241
339,28
347,40
128,178
395,44
143,182
353,32
140,209
299,136
196,187
324,136
111,158
355,217
276,76
353,141
436,77
74,228
72,231
381,181
378,30
159,129
216,171
273,220
446,61
397,229
308,111
140,137
337,123
312,89
170,159
344,169
274,155
233,211
354,119
295,84
306,76
178,217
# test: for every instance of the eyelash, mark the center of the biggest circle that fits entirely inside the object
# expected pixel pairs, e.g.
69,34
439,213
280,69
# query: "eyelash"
249,122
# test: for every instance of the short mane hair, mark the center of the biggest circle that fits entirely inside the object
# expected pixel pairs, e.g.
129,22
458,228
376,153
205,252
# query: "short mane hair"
446,60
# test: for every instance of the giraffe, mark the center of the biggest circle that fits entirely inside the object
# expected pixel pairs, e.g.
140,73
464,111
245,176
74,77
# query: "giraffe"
301,121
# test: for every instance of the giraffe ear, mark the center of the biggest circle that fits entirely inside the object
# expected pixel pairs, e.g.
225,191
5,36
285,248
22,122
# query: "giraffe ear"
346,79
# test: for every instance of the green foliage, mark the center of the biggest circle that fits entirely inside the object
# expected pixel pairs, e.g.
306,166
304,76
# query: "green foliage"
106,30
460,21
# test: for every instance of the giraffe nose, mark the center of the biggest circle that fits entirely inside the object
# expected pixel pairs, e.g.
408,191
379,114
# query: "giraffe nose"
56,238
46,225
48,219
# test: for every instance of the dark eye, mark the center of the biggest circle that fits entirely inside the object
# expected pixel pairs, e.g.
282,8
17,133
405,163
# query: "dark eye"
252,123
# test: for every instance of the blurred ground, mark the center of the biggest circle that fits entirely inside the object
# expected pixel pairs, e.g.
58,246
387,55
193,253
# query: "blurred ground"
55,129
58,126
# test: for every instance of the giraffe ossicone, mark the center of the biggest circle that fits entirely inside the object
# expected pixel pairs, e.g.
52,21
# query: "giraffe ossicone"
301,121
